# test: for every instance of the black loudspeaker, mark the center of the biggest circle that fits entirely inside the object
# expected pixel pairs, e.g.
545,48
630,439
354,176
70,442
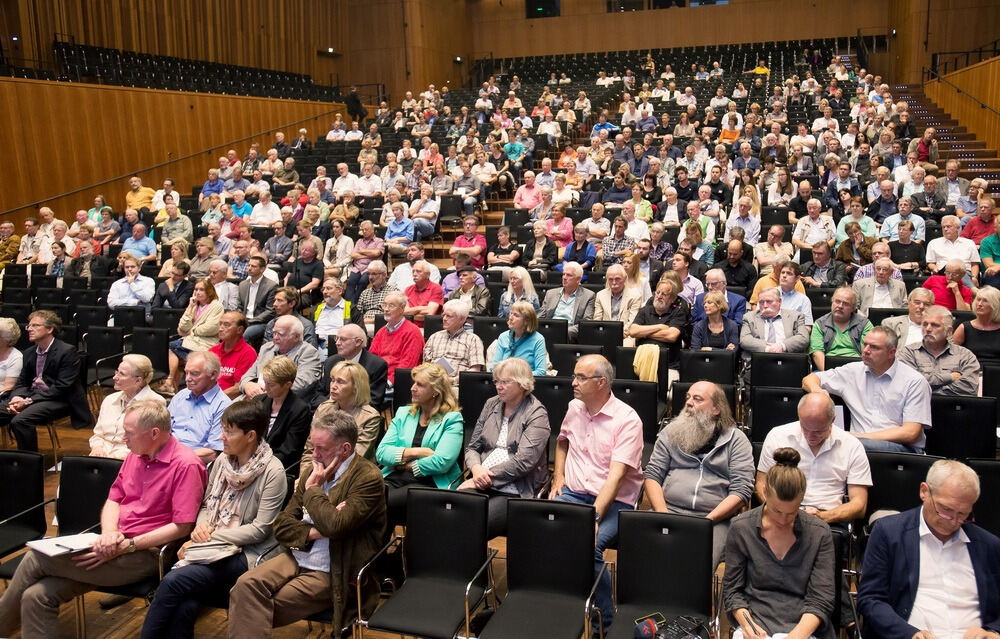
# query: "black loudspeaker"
541,9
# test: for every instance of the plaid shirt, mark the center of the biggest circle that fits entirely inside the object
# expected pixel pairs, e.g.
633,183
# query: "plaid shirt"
611,245
464,351
239,267
370,300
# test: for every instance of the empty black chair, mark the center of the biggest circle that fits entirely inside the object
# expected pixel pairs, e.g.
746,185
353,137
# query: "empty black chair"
987,515
474,389
22,501
564,356
896,480
81,296
778,369
16,295
833,361
876,315
129,317
710,366
432,324
153,343
963,427
488,328
17,312
50,296
820,296
607,334
555,331
105,346
665,565
167,318
44,281
550,571
88,316
401,388
555,394
641,396
446,562
770,407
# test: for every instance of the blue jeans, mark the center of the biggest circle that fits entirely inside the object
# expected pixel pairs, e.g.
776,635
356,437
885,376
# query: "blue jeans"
607,534
881,446
422,228
178,597
356,282
469,203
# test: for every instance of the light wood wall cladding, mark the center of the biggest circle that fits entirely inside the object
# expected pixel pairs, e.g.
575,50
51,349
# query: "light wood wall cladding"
981,81
62,136
499,26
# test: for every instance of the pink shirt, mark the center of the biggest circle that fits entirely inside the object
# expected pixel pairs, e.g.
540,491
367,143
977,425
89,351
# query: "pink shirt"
528,197
614,434
477,240
155,492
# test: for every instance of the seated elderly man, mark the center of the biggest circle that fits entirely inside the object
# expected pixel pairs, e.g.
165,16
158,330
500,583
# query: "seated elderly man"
662,320
890,403
333,312
140,246
153,501
942,250
453,347
423,297
286,340
400,343
471,288
196,411
950,289
909,328
840,332
950,369
571,302
351,342
773,329
880,291
833,460
823,270
176,227
929,572
715,280
615,303
333,524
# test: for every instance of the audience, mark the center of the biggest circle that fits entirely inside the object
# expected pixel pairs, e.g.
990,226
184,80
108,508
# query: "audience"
235,354
351,343
198,329
950,369
131,384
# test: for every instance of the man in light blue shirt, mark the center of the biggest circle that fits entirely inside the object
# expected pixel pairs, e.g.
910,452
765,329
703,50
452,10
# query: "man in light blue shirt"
890,228
196,411
133,289
140,246
790,298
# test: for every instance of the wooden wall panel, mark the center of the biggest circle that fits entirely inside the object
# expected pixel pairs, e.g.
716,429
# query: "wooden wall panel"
68,136
981,81
500,28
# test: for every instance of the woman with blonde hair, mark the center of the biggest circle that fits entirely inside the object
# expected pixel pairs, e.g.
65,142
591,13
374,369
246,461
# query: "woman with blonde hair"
634,277
519,289
11,359
198,328
289,416
981,334
178,253
350,391
131,380
423,441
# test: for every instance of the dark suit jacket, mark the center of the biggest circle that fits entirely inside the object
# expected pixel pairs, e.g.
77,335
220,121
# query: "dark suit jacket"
836,278
62,374
263,313
892,569
178,298
287,437
99,266
935,203
656,269
378,374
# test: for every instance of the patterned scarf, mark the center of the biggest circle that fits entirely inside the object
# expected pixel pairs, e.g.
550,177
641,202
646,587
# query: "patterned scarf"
223,494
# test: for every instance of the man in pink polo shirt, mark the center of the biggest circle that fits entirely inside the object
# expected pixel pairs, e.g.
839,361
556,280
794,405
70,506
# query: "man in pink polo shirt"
599,458
423,297
153,501
471,243
529,194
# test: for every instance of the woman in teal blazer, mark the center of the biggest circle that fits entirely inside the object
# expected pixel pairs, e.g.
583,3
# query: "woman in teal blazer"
424,440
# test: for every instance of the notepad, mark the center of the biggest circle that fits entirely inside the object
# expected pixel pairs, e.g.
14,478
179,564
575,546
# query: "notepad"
65,545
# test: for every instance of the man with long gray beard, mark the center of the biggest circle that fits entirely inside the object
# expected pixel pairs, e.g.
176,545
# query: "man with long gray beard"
701,464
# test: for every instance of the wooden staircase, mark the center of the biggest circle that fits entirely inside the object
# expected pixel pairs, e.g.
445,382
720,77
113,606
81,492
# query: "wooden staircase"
954,140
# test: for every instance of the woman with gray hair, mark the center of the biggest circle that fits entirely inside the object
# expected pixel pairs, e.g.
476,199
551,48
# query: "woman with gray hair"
11,358
506,453
131,381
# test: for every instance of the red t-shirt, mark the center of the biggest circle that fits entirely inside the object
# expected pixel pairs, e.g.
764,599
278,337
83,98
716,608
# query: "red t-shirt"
431,293
938,284
477,240
977,230
235,363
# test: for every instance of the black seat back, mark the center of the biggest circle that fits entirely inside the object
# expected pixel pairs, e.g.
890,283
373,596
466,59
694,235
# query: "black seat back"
83,489
550,547
987,515
778,369
963,427
710,366
770,407
22,474
445,534
896,480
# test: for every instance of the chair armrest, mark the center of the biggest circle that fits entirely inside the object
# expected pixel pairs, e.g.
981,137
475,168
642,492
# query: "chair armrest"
167,556
264,553
468,587
26,511
589,608
97,366
395,539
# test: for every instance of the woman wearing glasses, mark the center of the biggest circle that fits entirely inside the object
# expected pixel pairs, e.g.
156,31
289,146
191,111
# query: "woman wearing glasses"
779,562
506,453
131,384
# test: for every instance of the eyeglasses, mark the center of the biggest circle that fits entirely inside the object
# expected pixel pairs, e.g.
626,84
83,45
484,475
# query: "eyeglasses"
947,513
583,378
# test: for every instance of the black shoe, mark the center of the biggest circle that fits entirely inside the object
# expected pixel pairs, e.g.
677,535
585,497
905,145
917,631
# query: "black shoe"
112,601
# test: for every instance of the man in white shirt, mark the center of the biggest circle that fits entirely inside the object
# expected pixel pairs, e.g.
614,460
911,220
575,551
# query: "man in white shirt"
346,182
265,212
908,328
833,461
168,189
928,572
952,247
132,290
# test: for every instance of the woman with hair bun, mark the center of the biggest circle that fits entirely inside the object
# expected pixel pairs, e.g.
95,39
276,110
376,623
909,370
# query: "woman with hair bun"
779,562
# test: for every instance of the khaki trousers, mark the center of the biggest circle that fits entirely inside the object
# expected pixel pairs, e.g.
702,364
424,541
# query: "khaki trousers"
275,593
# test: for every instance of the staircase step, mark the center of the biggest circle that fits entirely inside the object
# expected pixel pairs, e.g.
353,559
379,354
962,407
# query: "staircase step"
965,154
961,146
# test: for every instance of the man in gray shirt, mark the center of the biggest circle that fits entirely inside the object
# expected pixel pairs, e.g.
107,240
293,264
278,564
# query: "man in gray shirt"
950,369
468,187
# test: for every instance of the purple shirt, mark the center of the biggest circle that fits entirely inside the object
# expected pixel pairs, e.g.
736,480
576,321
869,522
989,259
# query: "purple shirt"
361,265
153,492
614,434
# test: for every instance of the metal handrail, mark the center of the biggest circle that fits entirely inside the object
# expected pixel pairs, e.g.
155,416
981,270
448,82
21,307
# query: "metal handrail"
982,105
983,52
160,165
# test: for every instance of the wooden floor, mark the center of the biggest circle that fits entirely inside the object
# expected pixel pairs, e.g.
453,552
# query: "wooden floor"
125,622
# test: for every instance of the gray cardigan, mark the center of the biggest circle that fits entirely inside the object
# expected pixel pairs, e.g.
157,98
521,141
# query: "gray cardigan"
528,435
695,486
260,503
778,592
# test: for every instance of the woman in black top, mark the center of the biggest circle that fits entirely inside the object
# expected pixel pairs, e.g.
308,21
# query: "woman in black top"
905,253
540,253
650,191
982,334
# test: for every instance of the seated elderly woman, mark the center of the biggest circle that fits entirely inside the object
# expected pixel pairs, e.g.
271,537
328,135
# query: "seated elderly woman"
507,452
245,492
204,253
715,331
289,416
131,385
519,289
198,328
11,359
423,441
522,340
779,562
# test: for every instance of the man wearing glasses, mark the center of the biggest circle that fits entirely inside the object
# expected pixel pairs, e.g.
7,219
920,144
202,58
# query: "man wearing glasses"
351,341
599,458
928,573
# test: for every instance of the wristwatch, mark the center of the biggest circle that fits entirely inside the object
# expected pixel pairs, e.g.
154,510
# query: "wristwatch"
131,546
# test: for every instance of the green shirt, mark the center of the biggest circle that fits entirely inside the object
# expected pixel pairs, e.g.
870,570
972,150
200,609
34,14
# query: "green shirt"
990,247
842,345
